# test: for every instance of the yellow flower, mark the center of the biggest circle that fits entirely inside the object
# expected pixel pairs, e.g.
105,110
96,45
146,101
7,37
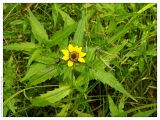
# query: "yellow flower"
73,54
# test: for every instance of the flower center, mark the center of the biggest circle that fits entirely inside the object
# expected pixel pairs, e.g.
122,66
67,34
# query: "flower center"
73,56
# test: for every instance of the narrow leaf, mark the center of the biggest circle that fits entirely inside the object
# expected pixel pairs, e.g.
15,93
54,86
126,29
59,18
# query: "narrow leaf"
145,113
8,88
118,35
55,13
51,96
113,52
35,54
26,46
66,18
45,60
38,30
90,54
45,74
33,69
61,35
78,37
113,108
108,78
141,107
64,111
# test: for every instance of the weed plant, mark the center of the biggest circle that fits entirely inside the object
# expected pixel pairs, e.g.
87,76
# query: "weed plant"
117,76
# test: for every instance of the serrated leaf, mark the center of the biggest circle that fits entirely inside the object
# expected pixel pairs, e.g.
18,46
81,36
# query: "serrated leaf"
51,96
34,55
113,108
109,79
145,113
61,35
43,75
64,110
45,60
115,111
8,78
33,69
8,88
121,103
38,30
66,18
26,46
78,37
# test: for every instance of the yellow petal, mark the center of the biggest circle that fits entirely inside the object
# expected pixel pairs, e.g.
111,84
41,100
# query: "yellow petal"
81,60
70,63
65,57
78,49
65,52
82,54
71,48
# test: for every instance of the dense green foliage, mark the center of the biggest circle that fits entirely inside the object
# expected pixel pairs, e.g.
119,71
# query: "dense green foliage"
119,77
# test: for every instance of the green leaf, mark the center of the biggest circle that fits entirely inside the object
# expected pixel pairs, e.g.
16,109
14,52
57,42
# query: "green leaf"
66,18
90,55
145,113
45,60
38,30
17,22
99,29
60,36
82,81
112,26
152,50
115,111
64,111
33,69
67,75
35,54
113,52
26,46
118,35
78,37
121,103
9,68
113,108
82,114
43,75
55,13
8,88
51,96
148,6
141,107
109,79
141,64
